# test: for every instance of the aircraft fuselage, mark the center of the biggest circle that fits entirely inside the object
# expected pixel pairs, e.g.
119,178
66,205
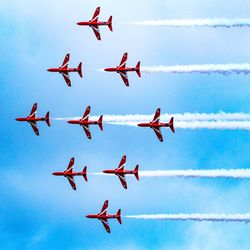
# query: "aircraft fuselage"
117,172
26,119
129,69
90,23
153,125
83,122
62,70
105,217
69,174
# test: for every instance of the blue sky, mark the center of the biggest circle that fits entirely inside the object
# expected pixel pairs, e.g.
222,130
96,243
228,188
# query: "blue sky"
40,211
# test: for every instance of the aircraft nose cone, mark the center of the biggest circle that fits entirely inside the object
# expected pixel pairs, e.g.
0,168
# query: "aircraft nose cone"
87,216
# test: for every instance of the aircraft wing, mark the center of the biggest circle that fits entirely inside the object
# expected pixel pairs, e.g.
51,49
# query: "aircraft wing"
86,114
106,225
33,111
123,61
104,207
87,131
96,30
66,78
65,61
124,77
122,163
158,133
71,181
71,165
123,180
34,127
96,15
157,116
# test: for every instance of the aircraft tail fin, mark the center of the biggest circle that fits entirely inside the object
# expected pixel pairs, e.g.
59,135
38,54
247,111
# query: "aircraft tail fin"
171,124
136,172
79,69
100,124
47,120
85,173
118,216
137,69
110,23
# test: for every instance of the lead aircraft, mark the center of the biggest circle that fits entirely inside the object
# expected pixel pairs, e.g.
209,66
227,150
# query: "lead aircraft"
94,23
120,171
103,216
32,119
156,125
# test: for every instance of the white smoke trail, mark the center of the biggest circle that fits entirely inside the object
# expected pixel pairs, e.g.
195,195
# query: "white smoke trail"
225,69
214,22
165,117
190,173
214,173
195,217
218,125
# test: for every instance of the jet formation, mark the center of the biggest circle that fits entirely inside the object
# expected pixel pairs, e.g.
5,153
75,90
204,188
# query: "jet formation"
119,171
85,121
94,23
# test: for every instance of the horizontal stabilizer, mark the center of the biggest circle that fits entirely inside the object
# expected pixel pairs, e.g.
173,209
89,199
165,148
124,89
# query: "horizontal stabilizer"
110,23
136,173
171,124
79,69
100,123
137,69
85,173
47,120
119,216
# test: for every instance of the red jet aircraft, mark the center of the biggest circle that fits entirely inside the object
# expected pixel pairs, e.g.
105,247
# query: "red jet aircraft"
121,172
155,124
69,174
85,122
64,70
122,69
104,217
32,119
94,23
